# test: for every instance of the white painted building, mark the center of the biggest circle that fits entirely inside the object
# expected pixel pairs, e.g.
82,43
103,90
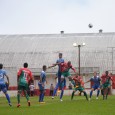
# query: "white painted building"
42,49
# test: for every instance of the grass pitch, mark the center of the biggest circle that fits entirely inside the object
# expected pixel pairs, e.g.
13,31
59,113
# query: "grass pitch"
78,106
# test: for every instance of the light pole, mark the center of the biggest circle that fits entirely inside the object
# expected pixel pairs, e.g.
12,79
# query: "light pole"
112,57
79,46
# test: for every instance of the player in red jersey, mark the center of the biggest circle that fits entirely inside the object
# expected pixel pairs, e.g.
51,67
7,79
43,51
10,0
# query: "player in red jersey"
105,80
64,68
78,85
23,77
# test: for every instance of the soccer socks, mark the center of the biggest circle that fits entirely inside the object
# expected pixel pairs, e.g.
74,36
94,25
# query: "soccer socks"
98,91
90,93
72,81
18,98
64,83
42,97
55,90
107,92
54,93
27,96
72,95
62,91
7,97
102,92
85,94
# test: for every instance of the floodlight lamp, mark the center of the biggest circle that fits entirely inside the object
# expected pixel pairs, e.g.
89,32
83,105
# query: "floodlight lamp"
83,44
74,44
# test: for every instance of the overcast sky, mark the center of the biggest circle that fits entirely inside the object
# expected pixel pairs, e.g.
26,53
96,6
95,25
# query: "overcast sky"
52,16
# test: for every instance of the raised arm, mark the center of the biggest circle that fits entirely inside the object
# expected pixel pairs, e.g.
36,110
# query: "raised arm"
73,69
53,65
87,81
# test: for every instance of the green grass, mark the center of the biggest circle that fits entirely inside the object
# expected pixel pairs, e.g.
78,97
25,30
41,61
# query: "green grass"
78,106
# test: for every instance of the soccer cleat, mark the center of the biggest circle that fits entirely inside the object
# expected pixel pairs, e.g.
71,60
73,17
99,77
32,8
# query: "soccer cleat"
18,105
29,103
10,104
61,100
52,97
42,102
96,97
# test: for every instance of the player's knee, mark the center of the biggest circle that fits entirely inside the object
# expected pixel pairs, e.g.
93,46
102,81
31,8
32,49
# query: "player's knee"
70,78
5,91
92,89
85,93
74,91
19,91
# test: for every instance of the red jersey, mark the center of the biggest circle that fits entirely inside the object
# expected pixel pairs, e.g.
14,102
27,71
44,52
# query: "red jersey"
78,80
105,78
24,74
65,67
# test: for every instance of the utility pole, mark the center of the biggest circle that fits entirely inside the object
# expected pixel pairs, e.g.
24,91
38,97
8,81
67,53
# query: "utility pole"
112,56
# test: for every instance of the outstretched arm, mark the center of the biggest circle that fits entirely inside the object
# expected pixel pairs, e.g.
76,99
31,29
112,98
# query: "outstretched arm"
87,81
53,65
73,69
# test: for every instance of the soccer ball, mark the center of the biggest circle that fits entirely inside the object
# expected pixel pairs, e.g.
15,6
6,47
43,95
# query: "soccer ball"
90,25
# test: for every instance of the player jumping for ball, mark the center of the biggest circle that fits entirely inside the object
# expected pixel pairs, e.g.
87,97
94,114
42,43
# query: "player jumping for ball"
65,67
58,85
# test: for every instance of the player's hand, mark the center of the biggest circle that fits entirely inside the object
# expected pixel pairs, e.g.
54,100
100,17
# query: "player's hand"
7,83
49,67
42,85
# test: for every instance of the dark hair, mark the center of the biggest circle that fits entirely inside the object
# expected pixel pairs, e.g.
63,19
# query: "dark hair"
106,72
44,67
25,65
1,66
60,53
69,61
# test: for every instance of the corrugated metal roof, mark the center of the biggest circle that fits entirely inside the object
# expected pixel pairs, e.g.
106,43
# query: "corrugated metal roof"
42,49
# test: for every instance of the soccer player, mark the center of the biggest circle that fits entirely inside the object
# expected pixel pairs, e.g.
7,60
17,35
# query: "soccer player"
2,83
58,85
78,85
105,79
41,84
65,67
24,76
96,84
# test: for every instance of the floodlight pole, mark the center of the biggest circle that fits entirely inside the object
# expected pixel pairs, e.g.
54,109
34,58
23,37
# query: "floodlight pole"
79,46
112,61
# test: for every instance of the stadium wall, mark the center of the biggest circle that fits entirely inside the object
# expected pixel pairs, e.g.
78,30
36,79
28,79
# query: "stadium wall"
66,92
